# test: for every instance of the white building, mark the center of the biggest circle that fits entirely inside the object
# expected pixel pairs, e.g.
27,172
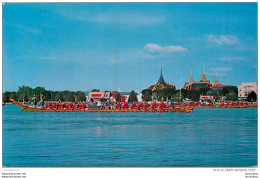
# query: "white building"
245,89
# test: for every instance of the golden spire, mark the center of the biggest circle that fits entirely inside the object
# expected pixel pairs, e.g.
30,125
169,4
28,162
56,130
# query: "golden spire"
191,79
216,82
203,77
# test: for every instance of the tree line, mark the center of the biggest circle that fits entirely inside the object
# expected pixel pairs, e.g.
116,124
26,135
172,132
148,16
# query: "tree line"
228,92
25,94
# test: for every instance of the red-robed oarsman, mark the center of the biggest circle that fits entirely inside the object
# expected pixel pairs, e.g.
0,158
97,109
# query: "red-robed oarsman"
140,105
84,105
80,106
246,103
46,106
222,104
133,106
50,105
126,105
232,103
123,99
73,106
154,105
237,103
54,105
67,107
70,105
227,104
118,106
162,105
60,106
242,103
147,106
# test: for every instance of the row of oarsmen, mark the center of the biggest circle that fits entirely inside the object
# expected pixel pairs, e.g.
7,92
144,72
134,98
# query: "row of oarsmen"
120,105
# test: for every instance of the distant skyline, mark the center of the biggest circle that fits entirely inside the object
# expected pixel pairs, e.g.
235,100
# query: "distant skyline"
72,46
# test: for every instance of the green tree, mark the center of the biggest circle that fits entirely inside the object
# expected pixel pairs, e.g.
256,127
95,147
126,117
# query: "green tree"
13,96
203,91
80,96
25,90
225,91
179,97
5,98
194,95
23,97
95,90
216,94
70,97
147,96
132,97
232,96
252,96
59,96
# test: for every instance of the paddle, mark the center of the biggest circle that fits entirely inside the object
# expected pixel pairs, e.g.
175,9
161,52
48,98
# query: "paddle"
25,107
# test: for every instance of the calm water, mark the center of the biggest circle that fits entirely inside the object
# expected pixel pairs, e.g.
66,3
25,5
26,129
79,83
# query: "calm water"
206,137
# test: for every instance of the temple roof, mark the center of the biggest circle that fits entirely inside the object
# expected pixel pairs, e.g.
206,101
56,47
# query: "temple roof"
161,80
191,79
216,82
203,77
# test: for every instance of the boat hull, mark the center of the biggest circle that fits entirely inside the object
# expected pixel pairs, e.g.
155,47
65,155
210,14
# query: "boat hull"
39,109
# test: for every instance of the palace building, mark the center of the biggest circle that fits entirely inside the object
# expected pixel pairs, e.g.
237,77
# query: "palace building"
216,85
203,83
161,84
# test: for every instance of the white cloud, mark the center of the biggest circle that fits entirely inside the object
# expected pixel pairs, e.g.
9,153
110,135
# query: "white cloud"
232,58
221,69
222,39
111,17
25,28
154,48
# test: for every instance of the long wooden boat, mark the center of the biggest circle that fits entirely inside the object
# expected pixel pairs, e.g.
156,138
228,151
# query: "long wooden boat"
28,108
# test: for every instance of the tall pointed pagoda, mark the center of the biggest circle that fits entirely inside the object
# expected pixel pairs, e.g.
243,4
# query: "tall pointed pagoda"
191,79
161,80
203,83
203,77
217,85
161,84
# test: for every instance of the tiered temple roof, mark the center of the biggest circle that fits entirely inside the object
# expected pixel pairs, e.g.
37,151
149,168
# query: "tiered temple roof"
203,77
203,83
217,84
161,84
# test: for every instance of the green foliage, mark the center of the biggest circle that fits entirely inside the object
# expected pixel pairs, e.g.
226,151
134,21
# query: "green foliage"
119,97
252,96
95,90
80,96
25,90
203,91
147,96
70,97
39,90
132,97
5,98
159,94
194,95
23,97
58,97
179,96
232,96
228,89
216,94
145,90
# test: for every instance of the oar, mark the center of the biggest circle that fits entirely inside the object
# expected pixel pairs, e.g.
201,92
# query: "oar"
25,107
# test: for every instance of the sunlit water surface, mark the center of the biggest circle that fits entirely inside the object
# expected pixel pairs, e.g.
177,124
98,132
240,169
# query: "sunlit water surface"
205,137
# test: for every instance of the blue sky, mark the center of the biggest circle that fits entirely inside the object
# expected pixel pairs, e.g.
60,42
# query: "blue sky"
71,46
